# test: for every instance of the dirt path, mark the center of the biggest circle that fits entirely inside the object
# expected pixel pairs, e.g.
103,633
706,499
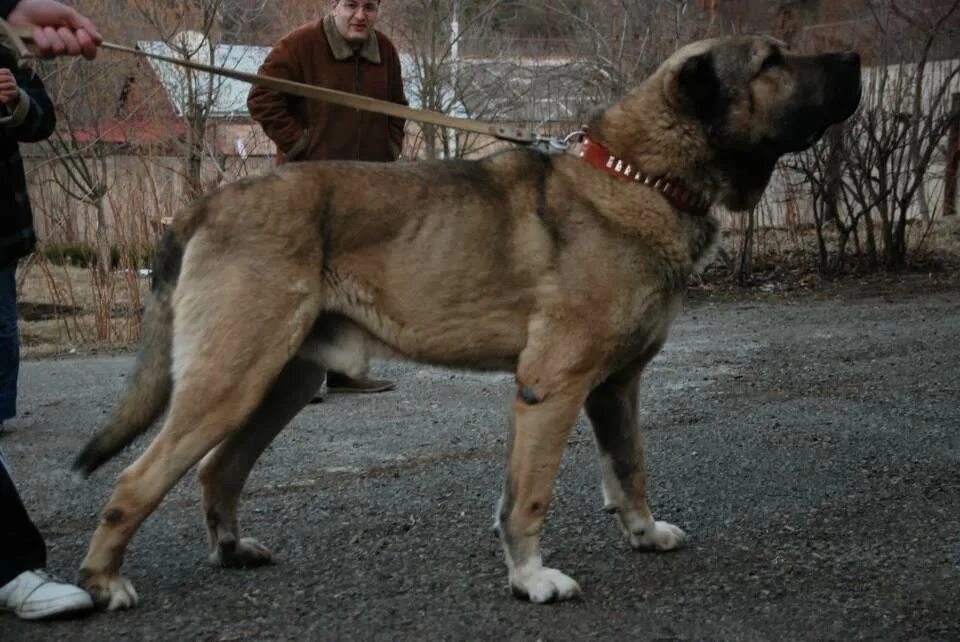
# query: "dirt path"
811,450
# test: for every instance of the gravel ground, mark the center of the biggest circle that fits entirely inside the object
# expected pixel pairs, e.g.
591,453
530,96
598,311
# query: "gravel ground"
810,450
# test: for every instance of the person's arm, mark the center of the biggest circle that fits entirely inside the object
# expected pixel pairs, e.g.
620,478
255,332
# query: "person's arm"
26,110
397,95
274,110
57,28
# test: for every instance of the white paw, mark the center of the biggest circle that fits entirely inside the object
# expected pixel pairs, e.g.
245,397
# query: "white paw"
122,594
541,585
662,537
110,592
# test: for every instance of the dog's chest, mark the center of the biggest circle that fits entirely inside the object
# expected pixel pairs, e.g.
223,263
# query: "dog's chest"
648,331
704,239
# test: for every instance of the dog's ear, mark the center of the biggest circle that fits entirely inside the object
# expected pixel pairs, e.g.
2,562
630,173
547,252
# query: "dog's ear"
696,87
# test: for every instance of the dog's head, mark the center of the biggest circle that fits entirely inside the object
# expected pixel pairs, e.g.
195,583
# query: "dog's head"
755,101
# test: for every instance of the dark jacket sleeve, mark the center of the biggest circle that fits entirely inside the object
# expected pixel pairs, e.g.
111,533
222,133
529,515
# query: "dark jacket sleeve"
273,109
33,118
6,6
396,95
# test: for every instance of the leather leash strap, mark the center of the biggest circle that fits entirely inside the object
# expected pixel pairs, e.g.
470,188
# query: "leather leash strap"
17,36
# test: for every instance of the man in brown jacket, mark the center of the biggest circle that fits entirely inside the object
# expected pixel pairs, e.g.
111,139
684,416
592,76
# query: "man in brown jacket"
340,51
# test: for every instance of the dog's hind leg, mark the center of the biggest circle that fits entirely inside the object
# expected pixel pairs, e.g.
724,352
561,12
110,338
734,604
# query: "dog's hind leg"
225,360
612,409
225,469
550,393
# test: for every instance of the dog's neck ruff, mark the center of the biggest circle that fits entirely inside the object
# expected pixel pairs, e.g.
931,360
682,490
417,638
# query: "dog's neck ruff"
674,191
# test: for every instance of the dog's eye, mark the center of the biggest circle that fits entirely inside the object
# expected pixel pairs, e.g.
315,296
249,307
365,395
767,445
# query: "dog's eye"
775,59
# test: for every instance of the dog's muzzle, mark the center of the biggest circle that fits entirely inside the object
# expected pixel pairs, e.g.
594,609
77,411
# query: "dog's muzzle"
832,83
843,85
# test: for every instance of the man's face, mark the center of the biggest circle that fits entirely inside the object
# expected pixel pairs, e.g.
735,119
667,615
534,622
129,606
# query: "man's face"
354,18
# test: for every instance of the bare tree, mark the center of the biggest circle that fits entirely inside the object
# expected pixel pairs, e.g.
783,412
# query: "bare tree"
952,159
200,31
870,177
621,42
914,103
78,164
445,70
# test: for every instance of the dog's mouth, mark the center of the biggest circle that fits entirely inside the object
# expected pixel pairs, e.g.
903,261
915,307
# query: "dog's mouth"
799,138
813,138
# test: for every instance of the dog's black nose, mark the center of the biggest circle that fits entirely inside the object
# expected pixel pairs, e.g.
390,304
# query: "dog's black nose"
851,58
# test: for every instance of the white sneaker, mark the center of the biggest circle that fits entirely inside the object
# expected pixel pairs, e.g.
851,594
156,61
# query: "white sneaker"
34,595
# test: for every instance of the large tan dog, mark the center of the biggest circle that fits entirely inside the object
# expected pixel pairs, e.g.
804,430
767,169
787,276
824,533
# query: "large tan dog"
565,269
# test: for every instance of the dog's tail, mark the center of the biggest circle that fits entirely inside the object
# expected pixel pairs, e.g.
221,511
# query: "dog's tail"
148,390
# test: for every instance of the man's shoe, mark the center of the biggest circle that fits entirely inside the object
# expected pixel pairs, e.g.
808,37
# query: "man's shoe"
343,383
34,595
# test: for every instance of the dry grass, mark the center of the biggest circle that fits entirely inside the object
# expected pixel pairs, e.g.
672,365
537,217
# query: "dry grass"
945,236
65,309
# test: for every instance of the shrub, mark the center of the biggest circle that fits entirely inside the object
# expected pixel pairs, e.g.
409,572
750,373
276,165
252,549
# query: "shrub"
75,254
138,257
82,255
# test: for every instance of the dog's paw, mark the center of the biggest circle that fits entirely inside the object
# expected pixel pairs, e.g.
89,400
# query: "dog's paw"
109,592
543,585
662,537
245,553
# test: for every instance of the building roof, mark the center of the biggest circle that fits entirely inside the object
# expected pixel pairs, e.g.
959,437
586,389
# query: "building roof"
229,96
139,132
523,88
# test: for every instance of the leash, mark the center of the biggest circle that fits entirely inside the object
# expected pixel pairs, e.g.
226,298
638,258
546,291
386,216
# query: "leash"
592,152
18,36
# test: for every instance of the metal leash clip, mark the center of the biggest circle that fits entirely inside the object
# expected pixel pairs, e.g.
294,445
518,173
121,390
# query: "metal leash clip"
556,145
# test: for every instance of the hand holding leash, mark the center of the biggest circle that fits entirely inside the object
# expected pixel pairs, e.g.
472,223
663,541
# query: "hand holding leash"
54,28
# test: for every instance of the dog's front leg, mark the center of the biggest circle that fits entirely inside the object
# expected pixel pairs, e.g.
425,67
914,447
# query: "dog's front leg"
612,409
543,413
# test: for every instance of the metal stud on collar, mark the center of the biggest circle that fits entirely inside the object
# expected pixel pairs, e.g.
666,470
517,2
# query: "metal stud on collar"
675,191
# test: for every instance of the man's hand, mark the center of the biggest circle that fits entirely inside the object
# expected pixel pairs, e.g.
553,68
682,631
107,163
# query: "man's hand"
57,28
9,91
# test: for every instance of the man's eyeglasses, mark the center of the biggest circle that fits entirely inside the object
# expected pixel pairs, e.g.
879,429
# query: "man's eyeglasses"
352,7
